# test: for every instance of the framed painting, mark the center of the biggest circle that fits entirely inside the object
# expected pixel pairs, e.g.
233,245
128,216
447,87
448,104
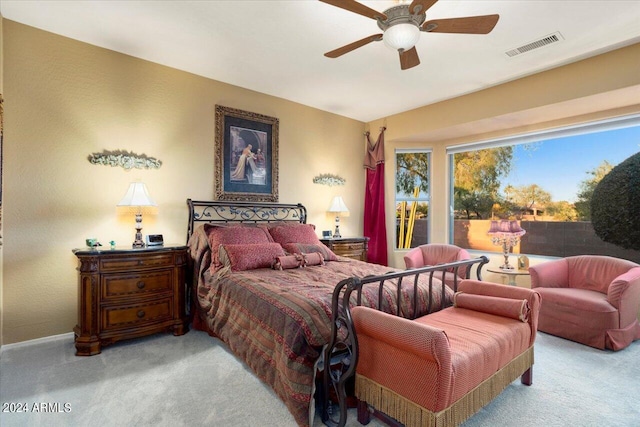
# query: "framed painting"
246,156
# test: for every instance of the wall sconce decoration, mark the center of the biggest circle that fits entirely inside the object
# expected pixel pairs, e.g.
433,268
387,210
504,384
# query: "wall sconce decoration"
137,197
340,209
124,159
329,179
506,233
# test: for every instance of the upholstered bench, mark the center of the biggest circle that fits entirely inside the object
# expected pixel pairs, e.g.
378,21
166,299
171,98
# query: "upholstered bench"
440,369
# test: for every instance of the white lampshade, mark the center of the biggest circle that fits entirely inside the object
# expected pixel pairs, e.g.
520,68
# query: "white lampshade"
338,207
136,198
401,36
137,195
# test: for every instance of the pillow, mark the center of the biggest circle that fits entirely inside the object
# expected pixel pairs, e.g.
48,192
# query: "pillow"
233,235
244,257
288,261
305,248
506,307
313,258
298,233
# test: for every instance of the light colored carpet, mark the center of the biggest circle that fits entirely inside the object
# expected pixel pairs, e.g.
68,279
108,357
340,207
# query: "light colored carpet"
194,380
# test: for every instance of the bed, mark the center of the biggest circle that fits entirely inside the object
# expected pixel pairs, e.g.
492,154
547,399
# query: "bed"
261,281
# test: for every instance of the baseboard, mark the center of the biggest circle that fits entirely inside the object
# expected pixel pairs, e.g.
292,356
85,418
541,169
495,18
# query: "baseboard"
68,335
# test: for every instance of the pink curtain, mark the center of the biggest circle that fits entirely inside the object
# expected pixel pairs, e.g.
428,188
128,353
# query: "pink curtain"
374,219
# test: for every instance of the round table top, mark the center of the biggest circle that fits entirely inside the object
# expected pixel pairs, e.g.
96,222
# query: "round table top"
514,272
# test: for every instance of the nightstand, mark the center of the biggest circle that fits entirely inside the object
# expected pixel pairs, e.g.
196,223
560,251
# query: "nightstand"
127,293
350,247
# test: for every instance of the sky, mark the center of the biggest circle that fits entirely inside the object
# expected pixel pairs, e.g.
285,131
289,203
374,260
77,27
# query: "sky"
558,166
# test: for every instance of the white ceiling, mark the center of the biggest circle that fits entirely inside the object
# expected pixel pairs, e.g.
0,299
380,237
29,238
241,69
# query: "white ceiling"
276,47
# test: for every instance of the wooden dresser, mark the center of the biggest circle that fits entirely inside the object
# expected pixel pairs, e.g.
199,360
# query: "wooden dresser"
126,293
350,247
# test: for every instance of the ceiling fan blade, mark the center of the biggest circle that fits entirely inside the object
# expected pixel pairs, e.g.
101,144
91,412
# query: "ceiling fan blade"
352,46
355,7
409,58
424,6
469,25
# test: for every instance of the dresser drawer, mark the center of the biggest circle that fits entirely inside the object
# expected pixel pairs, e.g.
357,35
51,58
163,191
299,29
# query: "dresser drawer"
117,285
120,263
136,314
353,250
348,247
350,254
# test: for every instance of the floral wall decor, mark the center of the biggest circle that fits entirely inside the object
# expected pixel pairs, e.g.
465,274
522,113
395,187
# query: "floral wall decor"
329,179
124,159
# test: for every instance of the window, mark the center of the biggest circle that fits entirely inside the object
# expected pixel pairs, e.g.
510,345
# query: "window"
543,180
412,197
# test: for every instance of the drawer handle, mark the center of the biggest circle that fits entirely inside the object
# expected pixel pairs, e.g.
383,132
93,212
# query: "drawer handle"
141,314
141,285
140,262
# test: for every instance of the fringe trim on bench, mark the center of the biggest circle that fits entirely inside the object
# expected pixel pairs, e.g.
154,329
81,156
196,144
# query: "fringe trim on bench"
412,415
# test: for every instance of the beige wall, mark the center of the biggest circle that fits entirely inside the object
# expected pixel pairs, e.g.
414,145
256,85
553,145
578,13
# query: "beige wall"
65,100
597,88
1,95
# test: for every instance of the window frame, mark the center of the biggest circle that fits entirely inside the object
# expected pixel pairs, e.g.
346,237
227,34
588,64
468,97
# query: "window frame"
524,138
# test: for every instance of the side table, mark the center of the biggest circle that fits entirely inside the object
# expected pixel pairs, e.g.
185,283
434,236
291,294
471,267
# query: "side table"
127,293
350,247
510,274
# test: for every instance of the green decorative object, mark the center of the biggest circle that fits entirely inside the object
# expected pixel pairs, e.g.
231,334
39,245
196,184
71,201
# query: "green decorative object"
615,205
329,179
124,159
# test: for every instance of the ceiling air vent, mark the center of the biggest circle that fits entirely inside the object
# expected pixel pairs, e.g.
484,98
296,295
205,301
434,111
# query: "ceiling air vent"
545,41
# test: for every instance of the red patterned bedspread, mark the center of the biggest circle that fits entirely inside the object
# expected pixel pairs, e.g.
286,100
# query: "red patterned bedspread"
278,321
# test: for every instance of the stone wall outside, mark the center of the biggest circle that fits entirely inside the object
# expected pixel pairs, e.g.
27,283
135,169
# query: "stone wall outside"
547,238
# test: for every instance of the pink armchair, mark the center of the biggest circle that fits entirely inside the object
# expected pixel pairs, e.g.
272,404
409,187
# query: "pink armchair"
434,254
591,299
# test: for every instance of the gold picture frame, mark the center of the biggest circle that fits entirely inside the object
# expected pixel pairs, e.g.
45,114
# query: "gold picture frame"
246,156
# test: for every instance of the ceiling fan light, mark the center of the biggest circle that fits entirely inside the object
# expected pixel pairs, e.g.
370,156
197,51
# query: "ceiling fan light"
401,36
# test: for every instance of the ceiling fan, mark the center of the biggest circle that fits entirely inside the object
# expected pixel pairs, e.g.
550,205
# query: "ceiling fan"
401,26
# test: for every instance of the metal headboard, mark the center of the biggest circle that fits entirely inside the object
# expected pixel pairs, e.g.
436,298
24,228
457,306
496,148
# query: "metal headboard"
216,212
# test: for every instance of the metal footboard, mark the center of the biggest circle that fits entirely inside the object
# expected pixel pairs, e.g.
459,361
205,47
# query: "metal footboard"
340,357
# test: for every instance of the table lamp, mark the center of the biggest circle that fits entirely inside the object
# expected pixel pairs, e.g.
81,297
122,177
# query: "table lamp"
340,209
137,197
505,233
